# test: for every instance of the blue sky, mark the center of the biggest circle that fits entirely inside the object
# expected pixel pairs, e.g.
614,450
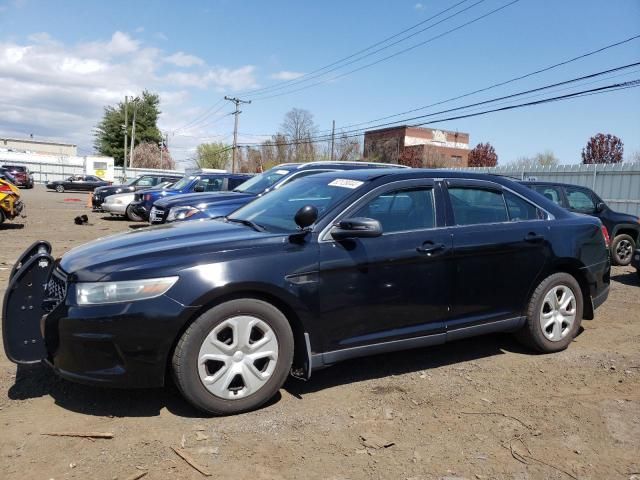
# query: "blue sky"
61,62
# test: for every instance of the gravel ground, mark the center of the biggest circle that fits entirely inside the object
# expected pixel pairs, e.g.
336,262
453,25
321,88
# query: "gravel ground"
482,408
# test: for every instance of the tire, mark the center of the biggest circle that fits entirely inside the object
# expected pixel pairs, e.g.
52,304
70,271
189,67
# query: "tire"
622,249
59,188
215,333
131,215
533,334
2,217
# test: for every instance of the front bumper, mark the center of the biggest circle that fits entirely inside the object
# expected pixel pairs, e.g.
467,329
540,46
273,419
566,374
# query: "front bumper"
157,215
118,345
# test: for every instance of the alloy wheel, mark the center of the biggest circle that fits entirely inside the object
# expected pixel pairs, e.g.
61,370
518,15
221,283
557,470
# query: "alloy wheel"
238,357
624,250
558,313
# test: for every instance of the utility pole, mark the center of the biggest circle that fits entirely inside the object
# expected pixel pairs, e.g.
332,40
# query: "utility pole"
133,131
333,137
164,143
237,112
124,165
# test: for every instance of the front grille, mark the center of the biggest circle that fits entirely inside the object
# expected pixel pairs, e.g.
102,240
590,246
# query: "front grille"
156,215
56,290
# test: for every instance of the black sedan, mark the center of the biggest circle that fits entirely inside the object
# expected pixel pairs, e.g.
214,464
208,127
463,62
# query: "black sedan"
85,183
330,267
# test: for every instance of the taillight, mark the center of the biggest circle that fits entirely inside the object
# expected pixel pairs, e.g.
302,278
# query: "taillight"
5,188
605,235
147,197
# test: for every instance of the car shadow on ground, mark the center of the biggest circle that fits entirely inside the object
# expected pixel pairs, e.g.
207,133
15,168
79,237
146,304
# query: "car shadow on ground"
408,361
34,381
11,226
114,218
627,278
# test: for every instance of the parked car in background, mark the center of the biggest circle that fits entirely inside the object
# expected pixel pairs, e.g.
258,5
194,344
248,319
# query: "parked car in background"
10,204
195,182
120,203
624,229
7,176
85,183
216,204
141,182
334,266
21,174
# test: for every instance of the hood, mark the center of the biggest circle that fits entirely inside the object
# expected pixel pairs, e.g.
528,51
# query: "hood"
194,199
120,196
162,251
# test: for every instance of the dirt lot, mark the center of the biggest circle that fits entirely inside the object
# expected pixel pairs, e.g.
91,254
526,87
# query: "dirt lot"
482,408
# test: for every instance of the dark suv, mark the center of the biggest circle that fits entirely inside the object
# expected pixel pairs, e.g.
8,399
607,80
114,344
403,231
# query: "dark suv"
21,174
624,229
330,267
138,183
196,182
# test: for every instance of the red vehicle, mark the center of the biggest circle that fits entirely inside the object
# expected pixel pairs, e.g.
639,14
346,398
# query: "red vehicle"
21,174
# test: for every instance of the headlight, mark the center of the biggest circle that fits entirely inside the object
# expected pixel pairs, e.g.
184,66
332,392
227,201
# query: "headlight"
180,213
115,292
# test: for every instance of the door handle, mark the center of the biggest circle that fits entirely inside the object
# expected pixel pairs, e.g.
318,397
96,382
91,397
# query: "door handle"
430,247
533,238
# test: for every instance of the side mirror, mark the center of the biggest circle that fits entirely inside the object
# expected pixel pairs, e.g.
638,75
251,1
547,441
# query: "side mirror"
306,216
600,207
359,227
198,188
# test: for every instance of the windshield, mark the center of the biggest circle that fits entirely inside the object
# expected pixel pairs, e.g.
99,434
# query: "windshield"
183,182
132,181
260,183
275,212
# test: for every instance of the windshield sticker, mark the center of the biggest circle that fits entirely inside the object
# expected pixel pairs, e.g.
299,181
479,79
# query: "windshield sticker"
282,172
345,183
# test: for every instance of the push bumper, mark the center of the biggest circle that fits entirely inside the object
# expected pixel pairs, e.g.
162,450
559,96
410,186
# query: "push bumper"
140,210
117,345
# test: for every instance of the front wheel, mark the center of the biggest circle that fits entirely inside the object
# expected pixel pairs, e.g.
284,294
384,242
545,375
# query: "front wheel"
622,249
131,215
60,188
554,314
234,357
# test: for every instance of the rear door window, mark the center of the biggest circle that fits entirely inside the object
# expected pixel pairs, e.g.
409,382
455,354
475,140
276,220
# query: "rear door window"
473,205
211,184
580,200
521,210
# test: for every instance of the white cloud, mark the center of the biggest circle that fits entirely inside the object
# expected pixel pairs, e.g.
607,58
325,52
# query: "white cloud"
286,75
58,90
182,59
418,6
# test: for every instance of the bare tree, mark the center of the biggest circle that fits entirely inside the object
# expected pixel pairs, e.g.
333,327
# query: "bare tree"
432,157
147,155
384,150
544,159
299,128
346,148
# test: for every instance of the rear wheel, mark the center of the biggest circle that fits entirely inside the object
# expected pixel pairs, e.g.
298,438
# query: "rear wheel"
554,314
234,357
131,215
2,217
59,188
622,249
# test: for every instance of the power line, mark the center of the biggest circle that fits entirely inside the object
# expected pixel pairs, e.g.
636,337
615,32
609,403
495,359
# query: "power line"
598,89
502,83
201,117
339,63
395,54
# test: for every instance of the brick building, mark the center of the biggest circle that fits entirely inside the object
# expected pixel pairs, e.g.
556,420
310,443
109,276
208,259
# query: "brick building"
417,147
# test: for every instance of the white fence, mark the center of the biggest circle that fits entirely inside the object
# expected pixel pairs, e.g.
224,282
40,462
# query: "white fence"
617,184
47,168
